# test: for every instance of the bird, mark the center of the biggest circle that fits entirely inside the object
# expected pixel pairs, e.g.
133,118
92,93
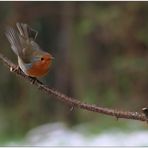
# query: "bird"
32,59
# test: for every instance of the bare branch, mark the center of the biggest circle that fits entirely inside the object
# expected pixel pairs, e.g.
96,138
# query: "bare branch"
71,101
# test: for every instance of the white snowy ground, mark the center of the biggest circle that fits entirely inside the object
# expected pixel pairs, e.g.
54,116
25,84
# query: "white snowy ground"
58,134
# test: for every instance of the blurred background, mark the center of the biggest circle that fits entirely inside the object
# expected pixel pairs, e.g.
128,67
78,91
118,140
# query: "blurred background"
101,57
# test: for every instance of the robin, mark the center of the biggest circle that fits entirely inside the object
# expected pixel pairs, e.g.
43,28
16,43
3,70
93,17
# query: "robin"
32,60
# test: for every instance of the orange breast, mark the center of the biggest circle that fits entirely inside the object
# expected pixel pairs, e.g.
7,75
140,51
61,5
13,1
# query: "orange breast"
39,68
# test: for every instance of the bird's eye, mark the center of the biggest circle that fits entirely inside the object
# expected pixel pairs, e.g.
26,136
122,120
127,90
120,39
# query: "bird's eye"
42,59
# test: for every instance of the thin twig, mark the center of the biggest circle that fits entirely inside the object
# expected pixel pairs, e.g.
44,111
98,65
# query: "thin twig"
71,101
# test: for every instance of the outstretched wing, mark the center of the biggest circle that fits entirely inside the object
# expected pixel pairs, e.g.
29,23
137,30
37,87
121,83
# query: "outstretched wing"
22,41
26,31
13,37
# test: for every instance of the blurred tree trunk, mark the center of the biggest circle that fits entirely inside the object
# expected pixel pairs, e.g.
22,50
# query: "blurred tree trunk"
64,74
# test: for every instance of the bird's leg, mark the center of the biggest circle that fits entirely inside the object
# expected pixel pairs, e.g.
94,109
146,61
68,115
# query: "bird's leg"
33,79
17,68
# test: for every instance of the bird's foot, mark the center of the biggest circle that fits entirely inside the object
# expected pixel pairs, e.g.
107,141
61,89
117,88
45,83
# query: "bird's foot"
33,79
